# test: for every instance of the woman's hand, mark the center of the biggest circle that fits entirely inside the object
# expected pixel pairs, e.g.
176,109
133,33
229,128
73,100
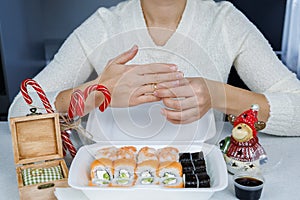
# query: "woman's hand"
187,102
133,84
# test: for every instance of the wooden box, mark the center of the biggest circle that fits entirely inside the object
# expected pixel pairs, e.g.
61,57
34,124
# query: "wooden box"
37,145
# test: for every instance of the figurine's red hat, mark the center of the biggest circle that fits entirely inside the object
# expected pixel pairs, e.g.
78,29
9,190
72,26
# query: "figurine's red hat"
248,117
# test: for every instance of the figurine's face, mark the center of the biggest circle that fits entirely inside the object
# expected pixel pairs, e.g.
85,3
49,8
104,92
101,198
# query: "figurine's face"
242,132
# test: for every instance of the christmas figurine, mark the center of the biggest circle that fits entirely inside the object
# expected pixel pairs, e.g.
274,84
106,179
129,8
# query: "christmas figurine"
242,150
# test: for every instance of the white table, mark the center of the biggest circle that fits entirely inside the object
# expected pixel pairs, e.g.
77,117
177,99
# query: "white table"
282,176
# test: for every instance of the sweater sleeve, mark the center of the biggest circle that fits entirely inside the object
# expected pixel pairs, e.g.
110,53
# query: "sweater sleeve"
69,68
262,71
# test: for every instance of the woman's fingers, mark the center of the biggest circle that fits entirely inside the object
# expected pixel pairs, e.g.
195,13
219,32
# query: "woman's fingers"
184,116
161,77
154,68
181,116
146,98
171,84
125,57
185,103
154,73
177,92
180,104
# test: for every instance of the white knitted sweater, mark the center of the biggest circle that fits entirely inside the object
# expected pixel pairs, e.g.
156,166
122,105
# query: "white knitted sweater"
210,38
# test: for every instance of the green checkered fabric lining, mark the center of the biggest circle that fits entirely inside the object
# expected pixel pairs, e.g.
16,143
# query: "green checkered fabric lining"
41,175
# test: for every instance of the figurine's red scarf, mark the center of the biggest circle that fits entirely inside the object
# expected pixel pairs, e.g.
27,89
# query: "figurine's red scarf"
245,151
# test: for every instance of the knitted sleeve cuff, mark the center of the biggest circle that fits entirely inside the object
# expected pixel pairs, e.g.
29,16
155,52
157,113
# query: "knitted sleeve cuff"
283,120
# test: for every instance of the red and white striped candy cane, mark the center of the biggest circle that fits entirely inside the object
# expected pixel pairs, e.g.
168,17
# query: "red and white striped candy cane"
104,91
76,107
39,91
67,144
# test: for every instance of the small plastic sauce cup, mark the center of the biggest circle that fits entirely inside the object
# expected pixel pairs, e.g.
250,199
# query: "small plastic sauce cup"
248,186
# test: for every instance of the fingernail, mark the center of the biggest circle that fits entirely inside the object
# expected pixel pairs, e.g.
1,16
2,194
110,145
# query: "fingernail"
133,49
176,83
174,67
155,93
162,112
179,75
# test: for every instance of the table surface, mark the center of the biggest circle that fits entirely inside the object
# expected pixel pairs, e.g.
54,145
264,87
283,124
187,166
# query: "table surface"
282,173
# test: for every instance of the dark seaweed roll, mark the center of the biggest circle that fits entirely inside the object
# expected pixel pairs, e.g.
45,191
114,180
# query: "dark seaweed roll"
197,156
191,181
185,158
188,165
199,162
194,170
196,181
199,167
204,181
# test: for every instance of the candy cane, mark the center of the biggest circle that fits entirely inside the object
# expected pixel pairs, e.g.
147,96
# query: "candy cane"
67,144
76,107
39,91
104,91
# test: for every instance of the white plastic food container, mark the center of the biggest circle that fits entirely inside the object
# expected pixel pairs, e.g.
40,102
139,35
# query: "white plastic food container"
79,173
216,169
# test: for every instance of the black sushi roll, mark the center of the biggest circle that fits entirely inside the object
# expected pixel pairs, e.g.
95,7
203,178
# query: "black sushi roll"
199,162
200,173
205,183
203,176
185,157
187,170
204,180
196,181
191,181
187,165
197,156
199,167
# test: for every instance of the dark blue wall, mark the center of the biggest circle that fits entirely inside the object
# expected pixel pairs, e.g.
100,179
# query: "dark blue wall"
31,31
267,15
26,26
22,52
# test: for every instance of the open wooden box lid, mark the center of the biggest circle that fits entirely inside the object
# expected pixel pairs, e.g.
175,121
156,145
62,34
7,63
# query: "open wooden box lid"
36,138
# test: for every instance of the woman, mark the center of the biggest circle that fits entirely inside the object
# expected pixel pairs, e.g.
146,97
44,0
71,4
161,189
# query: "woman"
202,39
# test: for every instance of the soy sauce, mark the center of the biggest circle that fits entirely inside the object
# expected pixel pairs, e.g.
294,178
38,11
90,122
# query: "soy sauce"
249,193
248,181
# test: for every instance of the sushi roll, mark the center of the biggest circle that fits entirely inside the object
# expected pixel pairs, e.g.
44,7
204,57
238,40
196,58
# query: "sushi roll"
176,182
191,181
126,152
168,154
196,181
121,182
101,172
197,156
125,164
170,167
188,165
204,180
107,152
199,163
169,171
146,153
194,169
147,172
185,157
192,157
192,162
124,171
